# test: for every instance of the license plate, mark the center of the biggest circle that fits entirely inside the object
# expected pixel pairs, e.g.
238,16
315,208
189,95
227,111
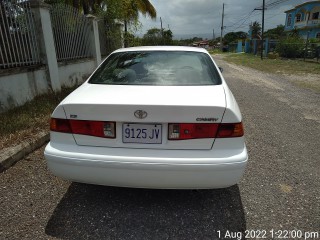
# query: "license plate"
142,133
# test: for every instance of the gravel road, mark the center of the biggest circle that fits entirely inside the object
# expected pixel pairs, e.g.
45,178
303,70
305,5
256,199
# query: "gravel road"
279,192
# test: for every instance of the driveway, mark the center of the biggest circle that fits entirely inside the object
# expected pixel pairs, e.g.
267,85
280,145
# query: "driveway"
280,190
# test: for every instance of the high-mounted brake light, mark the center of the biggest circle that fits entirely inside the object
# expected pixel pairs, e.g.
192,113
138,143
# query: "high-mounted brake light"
91,128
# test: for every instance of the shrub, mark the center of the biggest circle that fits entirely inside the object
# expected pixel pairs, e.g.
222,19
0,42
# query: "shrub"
290,47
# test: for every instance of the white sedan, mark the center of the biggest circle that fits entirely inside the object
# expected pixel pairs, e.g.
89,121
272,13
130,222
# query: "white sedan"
150,117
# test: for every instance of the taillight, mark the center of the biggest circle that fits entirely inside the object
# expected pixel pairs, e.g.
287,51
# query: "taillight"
60,125
181,131
91,128
228,130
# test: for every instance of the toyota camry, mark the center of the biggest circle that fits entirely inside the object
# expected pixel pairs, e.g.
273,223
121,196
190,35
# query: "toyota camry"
150,117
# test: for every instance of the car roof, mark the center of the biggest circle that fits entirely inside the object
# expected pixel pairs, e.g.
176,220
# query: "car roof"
162,48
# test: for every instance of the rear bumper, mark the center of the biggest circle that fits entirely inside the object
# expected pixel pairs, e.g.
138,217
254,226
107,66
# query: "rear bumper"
146,168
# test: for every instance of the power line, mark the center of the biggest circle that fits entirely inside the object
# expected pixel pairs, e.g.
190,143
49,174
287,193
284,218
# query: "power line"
274,3
243,20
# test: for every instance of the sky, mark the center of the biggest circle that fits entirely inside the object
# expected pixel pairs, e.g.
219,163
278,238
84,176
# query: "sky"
202,17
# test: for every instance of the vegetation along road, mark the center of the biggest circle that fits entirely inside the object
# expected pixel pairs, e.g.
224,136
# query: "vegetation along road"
280,190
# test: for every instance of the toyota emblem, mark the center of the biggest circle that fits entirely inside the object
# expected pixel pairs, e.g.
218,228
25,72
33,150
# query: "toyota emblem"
140,114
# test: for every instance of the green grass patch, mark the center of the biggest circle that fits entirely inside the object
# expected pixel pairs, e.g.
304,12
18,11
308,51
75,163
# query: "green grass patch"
274,65
282,66
315,86
215,51
34,114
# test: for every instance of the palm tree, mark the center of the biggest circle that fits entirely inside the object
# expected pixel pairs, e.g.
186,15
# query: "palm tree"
127,10
87,6
131,13
256,30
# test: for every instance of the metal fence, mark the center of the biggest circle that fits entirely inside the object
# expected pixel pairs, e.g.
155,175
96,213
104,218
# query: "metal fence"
276,48
18,43
71,31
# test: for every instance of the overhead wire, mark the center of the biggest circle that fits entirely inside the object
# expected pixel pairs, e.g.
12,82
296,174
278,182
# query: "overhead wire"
243,21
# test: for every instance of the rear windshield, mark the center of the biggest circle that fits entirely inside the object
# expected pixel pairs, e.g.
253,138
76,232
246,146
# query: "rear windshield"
165,68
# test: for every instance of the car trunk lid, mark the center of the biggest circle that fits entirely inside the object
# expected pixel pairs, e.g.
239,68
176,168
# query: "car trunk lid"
162,105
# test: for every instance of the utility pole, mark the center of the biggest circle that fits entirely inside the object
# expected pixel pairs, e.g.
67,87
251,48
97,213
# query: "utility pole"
222,27
262,29
212,39
262,37
161,31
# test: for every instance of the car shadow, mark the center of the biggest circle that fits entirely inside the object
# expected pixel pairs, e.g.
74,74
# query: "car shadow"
98,212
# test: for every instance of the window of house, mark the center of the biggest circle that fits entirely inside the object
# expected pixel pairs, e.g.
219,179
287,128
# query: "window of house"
289,20
298,17
315,15
318,35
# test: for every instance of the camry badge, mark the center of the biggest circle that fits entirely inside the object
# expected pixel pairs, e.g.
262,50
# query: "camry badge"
140,114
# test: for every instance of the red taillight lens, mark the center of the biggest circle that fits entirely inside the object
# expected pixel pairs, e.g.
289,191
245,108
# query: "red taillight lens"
181,131
228,130
91,128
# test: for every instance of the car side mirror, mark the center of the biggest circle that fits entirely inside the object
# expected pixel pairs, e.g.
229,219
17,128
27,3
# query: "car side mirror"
221,69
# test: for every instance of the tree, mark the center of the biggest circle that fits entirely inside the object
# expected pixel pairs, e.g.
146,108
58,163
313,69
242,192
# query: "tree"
167,36
87,6
255,30
234,36
113,13
131,13
275,33
155,36
294,33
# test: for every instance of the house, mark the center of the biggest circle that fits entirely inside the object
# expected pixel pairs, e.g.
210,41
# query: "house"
203,44
305,18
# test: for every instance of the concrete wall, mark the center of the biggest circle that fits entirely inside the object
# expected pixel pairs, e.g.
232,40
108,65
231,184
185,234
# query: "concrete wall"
17,86
20,87
75,72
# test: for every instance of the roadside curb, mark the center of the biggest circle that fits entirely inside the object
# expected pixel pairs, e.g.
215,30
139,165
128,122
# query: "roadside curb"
9,156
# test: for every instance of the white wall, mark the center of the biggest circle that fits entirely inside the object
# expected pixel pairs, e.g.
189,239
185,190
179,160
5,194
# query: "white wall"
19,86
74,73
17,89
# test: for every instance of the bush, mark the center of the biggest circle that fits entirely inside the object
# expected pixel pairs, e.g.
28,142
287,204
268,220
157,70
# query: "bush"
290,47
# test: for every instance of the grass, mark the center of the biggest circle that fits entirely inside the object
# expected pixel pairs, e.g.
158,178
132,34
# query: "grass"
215,51
313,85
303,74
22,122
274,65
